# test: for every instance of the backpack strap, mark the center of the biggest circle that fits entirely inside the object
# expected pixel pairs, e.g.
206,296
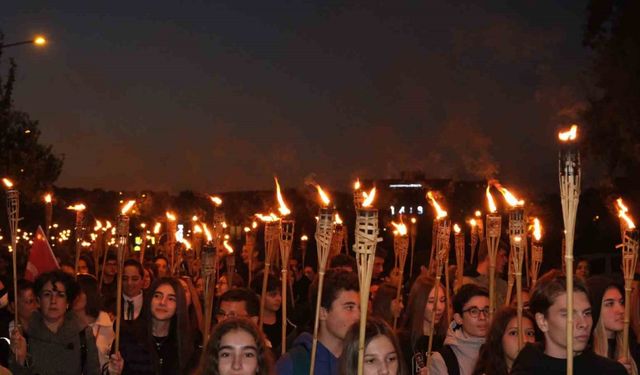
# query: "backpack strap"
450,360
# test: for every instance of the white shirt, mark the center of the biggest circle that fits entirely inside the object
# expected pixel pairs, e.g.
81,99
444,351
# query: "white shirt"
137,306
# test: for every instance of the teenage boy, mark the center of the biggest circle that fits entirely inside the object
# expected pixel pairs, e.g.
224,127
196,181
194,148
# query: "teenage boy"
549,305
339,309
132,282
466,333
272,319
238,303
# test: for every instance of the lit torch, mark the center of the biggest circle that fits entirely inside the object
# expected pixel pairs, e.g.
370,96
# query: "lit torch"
48,212
458,240
400,248
366,238
13,211
209,268
170,243
286,241
569,176
629,262
122,232
536,252
493,231
79,209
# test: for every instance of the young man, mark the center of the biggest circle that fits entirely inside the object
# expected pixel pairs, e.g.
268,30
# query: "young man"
162,266
549,305
238,303
339,309
466,334
272,320
109,282
132,281
481,275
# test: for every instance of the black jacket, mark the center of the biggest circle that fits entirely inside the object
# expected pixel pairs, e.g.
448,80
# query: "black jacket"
532,360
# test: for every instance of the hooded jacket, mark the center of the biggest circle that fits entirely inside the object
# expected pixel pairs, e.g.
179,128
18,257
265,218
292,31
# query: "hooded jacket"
298,359
58,353
466,348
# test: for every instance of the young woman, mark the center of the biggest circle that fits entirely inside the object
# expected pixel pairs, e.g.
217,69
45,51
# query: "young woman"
417,324
237,347
162,345
382,353
58,342
501,347
607,309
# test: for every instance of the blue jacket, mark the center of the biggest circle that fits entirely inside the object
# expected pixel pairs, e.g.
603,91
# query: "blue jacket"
298,359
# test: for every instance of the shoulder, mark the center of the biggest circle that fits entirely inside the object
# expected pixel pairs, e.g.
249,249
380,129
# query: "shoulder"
437,365
527,358
603,365
284,365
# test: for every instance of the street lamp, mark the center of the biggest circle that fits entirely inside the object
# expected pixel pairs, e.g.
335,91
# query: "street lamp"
38,41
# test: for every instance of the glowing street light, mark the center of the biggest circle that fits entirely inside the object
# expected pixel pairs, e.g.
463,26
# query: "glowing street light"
39,40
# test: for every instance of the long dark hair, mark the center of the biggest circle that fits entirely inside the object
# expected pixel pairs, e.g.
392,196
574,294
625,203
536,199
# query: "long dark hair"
491,357
179,328
418,299
375,327
209,365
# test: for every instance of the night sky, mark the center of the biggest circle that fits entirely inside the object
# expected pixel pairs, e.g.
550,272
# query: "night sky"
218,96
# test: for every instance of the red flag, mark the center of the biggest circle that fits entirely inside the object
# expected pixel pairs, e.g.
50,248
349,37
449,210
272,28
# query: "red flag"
41,258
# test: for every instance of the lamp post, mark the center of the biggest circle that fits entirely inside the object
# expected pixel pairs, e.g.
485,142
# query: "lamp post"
38,41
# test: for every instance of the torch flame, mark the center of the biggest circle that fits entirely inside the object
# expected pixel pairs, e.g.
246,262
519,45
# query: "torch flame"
323,196
194,218
284,210
197,229
267,218
7,182
77,207
510,198
247,229
216,200
569,135
304,238
47,198
186,243
207,233
227,246
490,201
170,216
156,228
440,213
127,207
108,225
413,220
478,213
537,229
622,213
98,226
369,198
338,219
356,185
254,224
401,229
473,222
456,228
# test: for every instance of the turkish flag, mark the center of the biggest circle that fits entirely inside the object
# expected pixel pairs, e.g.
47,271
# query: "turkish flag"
41,257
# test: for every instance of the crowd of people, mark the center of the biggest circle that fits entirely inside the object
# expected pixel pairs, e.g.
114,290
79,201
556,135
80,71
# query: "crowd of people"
67,321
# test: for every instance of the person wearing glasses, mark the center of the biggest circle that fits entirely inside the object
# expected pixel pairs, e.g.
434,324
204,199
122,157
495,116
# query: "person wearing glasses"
238,303
465,335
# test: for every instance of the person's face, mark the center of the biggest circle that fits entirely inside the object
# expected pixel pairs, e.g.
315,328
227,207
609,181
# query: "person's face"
221,286
378,266
187,291
474,325
510,338
612,311
200,286
554,325
68,270
394,276
53,301
232,309
161,264
246,254
501,260
238,354
582,269
293,266
429,307
83,268
164,302
380,357
80,302
146,282
111,268
525,300
27,304
132,281
273,300
344,311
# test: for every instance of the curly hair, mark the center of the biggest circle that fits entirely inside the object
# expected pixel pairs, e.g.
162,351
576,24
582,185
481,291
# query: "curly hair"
375,327
210,363
491,359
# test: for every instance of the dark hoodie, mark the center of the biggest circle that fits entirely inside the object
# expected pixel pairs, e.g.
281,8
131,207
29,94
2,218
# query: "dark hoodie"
533,361
58,353
300,353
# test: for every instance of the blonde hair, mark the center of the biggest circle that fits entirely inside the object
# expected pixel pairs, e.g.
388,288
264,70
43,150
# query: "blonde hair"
601,345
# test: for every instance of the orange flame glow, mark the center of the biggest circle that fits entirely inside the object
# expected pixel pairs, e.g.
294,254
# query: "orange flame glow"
338,219
490,201
537,229
77,207
194,218
227,246
197,229
473,222
216,200
356,185
108,225
323,196
284,210
156,228
478,213
413,220
98,226
247,229
127,207
401,229
440,213
569,135
7,183
171,216
47,198
207,233
456,228
622,213
369,198
268,218
304,238
510,198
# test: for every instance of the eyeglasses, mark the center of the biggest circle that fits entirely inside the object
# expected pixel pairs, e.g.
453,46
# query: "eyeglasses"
475,312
